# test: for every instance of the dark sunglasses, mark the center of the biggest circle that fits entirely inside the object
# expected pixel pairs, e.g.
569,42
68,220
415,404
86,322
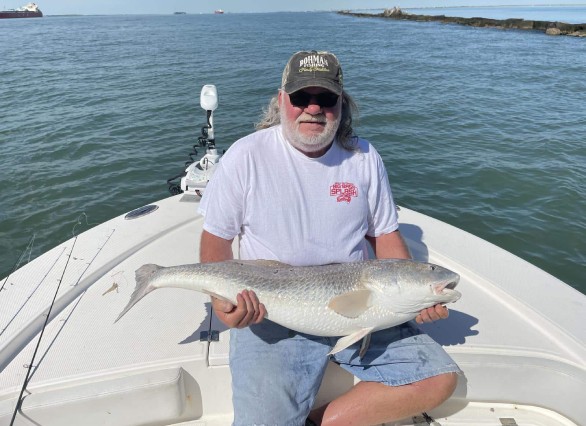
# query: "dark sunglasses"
302,99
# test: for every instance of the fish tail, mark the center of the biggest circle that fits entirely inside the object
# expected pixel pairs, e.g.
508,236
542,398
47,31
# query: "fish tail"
143,286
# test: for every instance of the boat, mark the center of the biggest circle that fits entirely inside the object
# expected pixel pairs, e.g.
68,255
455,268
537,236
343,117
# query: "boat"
219,12
31,10
179,13
516,332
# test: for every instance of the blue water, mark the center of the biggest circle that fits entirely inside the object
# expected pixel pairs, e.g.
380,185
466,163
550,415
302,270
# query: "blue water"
481,128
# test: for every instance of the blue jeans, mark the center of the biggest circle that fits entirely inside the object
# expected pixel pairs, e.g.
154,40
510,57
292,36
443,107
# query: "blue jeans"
276,372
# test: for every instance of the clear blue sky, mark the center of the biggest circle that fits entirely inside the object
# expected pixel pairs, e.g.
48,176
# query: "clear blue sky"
90,7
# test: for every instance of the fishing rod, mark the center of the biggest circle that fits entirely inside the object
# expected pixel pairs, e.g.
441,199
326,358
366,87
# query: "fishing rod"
30,366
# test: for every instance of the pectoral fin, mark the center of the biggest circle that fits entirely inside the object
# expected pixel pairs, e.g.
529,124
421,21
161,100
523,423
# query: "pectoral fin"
351,304
346,341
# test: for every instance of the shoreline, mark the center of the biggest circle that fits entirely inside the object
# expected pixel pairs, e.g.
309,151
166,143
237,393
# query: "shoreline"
547,27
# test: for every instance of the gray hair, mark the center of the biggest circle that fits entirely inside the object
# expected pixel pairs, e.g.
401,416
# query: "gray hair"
344,136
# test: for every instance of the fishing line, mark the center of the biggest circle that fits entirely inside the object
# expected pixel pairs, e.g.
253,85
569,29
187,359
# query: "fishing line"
29,248
47,317
74,306
34,289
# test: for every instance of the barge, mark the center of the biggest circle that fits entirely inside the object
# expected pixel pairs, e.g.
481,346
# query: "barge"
31,10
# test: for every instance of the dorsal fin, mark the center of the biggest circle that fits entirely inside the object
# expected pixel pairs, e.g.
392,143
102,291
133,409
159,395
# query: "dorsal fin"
263,262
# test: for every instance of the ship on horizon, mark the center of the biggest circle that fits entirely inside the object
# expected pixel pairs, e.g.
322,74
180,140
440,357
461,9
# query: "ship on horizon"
31,10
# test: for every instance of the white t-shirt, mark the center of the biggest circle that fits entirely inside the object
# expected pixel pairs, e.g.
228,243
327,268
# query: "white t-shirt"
299,210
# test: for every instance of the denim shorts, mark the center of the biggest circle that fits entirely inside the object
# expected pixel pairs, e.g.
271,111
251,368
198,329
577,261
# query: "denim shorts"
276,372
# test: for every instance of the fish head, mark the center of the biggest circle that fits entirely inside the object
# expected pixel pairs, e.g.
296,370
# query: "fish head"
406,286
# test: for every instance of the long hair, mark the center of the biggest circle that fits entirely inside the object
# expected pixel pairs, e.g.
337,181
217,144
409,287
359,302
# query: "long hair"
344,136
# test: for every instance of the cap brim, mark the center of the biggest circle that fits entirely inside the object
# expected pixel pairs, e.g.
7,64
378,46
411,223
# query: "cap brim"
313,82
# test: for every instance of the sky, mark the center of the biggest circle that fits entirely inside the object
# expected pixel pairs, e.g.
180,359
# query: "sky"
99,7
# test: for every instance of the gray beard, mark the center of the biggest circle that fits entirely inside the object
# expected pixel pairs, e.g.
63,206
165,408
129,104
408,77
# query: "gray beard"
308,143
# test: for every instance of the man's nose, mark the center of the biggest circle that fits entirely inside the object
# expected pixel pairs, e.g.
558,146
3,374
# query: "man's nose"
313,107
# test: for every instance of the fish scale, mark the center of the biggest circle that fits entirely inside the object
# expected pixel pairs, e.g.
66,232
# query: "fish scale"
346,299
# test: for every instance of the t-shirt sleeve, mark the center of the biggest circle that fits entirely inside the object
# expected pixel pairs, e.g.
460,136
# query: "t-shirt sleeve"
222,203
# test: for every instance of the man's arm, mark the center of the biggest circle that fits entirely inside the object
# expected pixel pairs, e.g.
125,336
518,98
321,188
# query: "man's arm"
214,249
393,246
248,309
389,246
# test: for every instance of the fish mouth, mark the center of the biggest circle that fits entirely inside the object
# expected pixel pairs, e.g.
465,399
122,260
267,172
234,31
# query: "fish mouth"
444,290
446,286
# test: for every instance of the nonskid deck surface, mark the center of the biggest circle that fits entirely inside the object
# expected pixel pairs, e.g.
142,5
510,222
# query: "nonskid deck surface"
474,414
489,414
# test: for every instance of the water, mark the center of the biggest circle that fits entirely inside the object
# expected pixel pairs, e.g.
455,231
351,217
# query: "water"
481,128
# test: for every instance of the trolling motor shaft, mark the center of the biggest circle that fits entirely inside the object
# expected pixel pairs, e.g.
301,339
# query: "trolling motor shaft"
197,174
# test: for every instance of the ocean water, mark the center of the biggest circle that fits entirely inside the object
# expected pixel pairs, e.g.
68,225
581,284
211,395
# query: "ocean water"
482,128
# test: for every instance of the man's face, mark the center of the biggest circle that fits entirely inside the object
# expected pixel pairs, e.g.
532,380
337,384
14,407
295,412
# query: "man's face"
310,119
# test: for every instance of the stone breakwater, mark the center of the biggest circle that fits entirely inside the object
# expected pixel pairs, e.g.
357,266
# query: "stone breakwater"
548,27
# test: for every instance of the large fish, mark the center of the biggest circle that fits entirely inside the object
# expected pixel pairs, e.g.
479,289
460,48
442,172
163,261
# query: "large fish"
345,299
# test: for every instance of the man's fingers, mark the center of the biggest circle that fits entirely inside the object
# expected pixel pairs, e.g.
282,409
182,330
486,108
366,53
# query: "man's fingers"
262,312
432,314
248,310
442,311
422,317
251,309
222,305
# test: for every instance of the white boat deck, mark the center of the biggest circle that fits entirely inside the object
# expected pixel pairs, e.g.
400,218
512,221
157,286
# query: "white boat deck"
515,333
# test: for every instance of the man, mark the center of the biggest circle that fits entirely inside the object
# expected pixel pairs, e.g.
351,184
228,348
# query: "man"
304,191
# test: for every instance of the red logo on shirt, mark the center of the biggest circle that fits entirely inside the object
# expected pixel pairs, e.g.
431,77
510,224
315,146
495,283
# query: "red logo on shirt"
343,191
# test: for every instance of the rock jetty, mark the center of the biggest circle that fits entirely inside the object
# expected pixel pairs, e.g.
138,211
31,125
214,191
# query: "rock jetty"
548,27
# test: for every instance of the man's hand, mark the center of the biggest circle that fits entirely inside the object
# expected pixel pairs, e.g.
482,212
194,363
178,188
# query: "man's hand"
432,314
248,310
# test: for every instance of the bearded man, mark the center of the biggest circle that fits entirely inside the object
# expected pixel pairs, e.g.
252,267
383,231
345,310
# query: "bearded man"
304,190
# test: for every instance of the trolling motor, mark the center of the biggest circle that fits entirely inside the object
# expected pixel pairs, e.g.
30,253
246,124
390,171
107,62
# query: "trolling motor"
198,173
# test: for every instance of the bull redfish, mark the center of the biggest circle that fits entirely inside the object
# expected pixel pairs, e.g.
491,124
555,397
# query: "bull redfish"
344,299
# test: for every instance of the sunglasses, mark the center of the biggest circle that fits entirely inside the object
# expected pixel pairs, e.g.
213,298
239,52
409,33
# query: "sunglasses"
302,99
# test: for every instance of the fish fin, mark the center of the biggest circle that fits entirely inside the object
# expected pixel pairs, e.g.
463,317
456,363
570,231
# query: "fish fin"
143,286
365,345
351,304
344,342
217,296
263,262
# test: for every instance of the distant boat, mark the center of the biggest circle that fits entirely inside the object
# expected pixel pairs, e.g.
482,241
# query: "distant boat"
179,13
218,12
31,10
